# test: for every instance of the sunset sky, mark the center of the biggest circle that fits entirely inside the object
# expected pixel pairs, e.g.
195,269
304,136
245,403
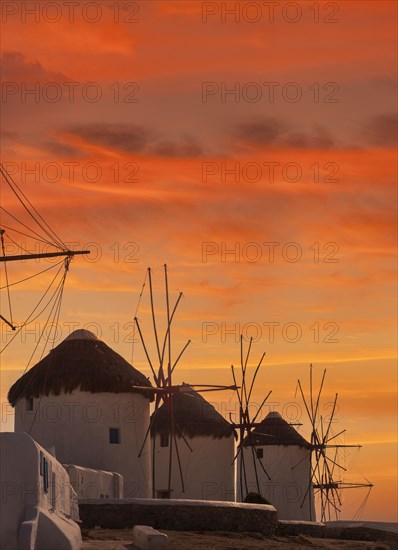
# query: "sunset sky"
253,152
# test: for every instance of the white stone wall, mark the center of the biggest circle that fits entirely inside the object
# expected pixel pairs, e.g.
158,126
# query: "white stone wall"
94,484
208,471
287,487
36,495
77,426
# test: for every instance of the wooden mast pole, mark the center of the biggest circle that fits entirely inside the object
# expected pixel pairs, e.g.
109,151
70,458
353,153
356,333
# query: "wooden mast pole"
20,257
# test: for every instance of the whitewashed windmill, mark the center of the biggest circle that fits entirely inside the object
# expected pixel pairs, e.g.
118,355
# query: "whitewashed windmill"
267,449
281,448
275,461
245,425
206,455
80,401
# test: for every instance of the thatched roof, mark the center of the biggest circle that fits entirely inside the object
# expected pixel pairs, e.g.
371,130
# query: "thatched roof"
274,430
80,361
194,416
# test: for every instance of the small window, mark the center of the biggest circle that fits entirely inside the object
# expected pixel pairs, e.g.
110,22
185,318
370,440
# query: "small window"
260,453
45,474
164,440
41,463
29,404
114,435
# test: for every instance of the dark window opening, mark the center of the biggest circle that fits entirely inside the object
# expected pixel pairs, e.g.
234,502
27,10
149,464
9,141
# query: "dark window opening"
29,404
114,435
260,453
45,474
164,439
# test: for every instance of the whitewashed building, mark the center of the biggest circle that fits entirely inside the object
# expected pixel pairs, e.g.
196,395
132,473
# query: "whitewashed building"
79,401
286,457
38,504
208,470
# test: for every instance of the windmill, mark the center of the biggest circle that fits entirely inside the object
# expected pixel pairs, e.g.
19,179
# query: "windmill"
162,365
266,447
36,229
326,468
316,469
246,425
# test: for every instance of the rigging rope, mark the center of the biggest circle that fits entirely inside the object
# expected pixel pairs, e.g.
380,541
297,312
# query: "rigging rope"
32,276
37,305
358,514
58,292
57,305
135,315
18,245
48,303
38,236
6,274
30,236
49,232
58,309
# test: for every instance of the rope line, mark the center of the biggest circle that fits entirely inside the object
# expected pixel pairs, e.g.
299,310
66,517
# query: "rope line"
6,274
49,232
32,276
57,305
30,236
40,237
135,315
28,319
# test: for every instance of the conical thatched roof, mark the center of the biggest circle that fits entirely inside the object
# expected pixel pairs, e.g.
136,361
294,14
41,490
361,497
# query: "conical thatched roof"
80,361
194,416
274,430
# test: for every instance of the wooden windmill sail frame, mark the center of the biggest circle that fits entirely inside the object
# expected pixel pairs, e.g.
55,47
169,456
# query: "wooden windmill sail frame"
323,467
164,390
246,425
39,231
322,471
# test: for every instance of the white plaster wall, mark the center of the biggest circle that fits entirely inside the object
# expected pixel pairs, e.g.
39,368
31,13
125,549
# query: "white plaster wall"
94,484
22,486
208,471
77,426
287,487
